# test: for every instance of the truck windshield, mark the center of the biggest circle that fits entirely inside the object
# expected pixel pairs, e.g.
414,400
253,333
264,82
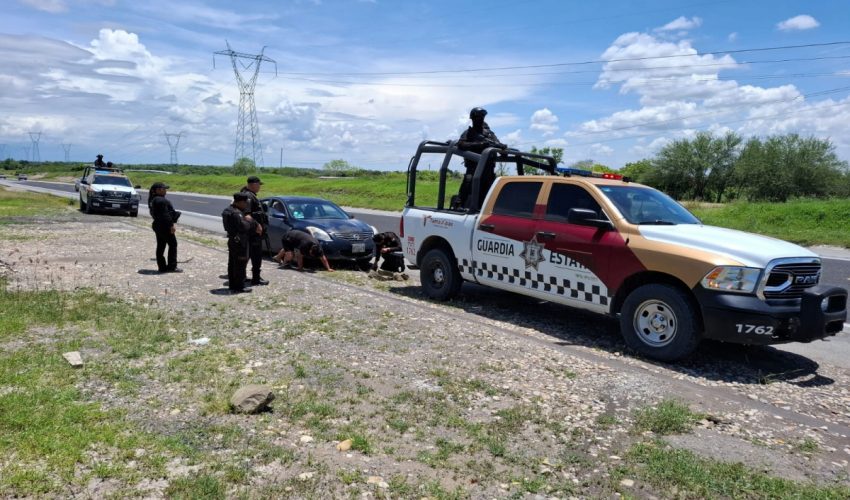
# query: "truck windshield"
641,205
112,181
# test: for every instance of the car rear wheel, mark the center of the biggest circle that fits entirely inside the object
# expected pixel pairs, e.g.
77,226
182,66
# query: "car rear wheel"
439,275
660,322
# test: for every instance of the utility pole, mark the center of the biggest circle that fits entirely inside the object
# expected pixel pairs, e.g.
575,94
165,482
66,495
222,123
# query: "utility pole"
35,137
173,141
67,149
247,128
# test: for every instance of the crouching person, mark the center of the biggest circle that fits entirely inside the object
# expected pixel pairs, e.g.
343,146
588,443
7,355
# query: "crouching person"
388,246
298,244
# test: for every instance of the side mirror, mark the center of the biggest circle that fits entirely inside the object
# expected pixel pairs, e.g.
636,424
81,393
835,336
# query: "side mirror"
278,215
84,182
586,217
137,186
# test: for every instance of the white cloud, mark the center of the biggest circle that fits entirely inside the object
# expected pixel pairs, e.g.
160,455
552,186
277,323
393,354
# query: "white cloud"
51,6
733,37
681,23
798,23
543,120
514,137
601,150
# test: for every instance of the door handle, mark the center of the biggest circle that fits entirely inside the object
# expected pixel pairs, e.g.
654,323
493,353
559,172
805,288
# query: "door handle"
546,235
486,227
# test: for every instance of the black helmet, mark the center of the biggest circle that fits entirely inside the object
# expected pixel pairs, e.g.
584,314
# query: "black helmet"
477,113
100,156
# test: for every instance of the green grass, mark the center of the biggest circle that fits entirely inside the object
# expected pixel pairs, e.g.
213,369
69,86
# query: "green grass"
668,417
681,474
803,221
25,204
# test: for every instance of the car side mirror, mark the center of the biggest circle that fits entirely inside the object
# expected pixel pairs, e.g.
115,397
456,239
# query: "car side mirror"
586,217
137,186
278,215
84,181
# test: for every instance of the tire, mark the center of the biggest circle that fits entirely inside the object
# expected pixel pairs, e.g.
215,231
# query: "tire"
134,213
82,204
364,265
439,275
87,208
660,322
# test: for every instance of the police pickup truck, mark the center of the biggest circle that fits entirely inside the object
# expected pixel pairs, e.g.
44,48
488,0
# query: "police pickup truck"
107,189
601,243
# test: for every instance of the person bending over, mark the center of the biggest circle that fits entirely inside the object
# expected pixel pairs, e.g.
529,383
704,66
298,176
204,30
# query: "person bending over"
297,244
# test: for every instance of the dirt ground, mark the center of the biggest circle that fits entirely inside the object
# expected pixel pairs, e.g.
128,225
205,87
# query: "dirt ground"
491,395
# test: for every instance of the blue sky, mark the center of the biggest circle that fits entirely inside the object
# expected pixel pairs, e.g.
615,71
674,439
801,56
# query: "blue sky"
365,81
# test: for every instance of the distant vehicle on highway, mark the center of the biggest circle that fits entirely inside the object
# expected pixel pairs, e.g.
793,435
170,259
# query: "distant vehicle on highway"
22,177
108,191
2,176
343,238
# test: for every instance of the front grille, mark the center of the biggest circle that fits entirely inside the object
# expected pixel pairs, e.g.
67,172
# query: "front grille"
789,281
354,236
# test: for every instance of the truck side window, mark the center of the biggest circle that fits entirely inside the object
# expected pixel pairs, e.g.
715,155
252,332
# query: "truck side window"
563,197
517,199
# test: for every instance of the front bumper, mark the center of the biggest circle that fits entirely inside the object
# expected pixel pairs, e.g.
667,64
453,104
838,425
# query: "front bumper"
107,204
343,250
746,319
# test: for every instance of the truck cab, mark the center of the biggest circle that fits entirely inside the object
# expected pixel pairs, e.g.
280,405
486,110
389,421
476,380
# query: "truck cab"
601,243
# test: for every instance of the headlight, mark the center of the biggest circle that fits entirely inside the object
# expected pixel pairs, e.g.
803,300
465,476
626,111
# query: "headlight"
732,279
319,234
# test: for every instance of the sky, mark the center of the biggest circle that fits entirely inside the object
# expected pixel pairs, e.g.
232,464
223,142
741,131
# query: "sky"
367,80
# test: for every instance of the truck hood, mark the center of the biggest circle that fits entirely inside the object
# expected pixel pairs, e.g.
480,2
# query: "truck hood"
110,187
751,250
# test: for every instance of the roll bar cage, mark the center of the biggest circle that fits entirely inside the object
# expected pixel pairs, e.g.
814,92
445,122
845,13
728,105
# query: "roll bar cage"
489,156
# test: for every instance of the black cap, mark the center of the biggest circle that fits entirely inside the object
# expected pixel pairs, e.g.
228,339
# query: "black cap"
477,112
160,185
240,197
254,180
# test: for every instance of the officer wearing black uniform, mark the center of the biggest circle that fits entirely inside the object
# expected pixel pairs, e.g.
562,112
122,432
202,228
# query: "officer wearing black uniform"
164,217
477,138
98,163
305,244
239,227
387,245
255,240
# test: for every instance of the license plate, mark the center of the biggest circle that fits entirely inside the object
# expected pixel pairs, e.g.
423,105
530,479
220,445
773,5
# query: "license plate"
358,248
116,205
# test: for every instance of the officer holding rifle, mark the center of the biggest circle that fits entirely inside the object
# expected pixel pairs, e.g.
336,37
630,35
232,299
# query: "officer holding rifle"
255,239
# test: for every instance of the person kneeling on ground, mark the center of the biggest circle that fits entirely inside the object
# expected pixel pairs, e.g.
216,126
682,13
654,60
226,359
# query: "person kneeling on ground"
387,245
305,244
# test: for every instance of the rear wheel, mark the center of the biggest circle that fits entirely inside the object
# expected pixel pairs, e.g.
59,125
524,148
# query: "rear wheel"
439,275
660,322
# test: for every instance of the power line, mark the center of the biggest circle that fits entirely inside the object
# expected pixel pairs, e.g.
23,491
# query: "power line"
578,63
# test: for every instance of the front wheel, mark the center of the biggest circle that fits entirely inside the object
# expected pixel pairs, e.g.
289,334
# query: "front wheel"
82,204
134,213
660,322
439,275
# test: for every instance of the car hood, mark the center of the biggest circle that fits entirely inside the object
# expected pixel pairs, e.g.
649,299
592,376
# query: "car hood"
751,250
337,225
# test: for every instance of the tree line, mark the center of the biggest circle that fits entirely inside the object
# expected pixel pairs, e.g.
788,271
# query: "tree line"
726,167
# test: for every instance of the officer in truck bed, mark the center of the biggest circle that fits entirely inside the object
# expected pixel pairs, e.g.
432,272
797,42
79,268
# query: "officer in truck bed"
476,139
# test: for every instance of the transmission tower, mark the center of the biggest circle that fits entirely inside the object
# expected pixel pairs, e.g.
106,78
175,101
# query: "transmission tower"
247,128
67,149
173,141
35,137
26,153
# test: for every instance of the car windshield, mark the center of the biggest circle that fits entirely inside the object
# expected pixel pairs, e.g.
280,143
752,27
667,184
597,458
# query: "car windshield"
641,205
112,181
315,209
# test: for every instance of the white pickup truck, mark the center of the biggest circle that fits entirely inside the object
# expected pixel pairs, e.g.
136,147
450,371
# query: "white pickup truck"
601,243
107,190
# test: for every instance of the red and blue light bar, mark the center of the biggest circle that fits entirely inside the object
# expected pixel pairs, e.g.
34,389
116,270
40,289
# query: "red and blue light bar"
589,173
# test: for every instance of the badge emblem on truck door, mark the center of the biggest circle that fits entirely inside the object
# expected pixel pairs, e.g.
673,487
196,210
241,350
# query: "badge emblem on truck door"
532,253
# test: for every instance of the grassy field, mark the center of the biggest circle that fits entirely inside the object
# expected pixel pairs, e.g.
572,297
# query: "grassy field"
24,204
806,222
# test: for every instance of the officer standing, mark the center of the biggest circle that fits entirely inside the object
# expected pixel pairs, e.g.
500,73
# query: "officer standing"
239,227
164,217
476,139
255,240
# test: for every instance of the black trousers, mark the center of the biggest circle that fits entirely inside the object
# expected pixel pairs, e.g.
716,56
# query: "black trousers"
237,263
164,238
255,252
393,263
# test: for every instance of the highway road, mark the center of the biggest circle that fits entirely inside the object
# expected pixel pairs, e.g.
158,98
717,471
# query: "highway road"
204,211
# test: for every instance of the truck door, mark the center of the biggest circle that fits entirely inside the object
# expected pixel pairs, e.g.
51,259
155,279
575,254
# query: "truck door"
503,233
578,256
